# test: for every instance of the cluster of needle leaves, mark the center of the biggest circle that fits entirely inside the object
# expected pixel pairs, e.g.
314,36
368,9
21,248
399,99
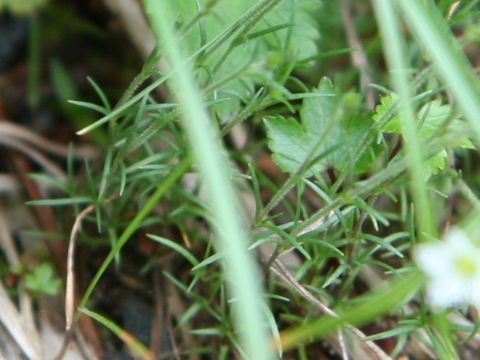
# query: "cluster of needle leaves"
325,176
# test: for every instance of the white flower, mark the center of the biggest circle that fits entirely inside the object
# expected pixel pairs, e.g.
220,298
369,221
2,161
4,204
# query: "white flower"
453,269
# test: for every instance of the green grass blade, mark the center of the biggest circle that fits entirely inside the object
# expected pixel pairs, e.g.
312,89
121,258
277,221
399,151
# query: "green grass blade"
60,201
100,93
241,271
395,55
176,247
50,180
90,106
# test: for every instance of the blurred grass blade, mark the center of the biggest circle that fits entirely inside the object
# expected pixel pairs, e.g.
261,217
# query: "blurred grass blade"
50,180
241,271
432,31
60,201
395,54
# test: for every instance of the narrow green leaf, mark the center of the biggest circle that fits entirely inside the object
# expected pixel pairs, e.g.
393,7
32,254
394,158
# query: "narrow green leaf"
391,333
60,201
174,246
209,260
135,346
90,106
49,180
100,93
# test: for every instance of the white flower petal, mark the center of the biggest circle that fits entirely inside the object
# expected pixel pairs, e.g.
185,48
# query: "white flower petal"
456,234
430,257
453,269
446,292
475,297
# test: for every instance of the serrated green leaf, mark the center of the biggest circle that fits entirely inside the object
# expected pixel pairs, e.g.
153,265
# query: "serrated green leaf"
382,110
434,119
322,117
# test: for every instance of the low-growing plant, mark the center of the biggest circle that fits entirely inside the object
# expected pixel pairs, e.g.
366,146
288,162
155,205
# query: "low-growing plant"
263,245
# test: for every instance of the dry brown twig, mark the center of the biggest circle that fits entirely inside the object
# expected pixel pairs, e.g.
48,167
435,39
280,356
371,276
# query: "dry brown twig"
70,281
11,130
8,184
359,59
32,145
36,156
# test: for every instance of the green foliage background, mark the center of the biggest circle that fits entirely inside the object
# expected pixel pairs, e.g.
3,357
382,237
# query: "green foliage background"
355,189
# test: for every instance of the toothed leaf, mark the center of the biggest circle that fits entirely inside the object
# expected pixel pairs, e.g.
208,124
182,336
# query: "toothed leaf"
323,117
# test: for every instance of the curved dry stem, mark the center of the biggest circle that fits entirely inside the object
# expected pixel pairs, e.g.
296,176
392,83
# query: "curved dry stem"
11,130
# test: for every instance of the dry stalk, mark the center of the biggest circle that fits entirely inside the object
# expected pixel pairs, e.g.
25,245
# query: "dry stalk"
359,59
70,281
